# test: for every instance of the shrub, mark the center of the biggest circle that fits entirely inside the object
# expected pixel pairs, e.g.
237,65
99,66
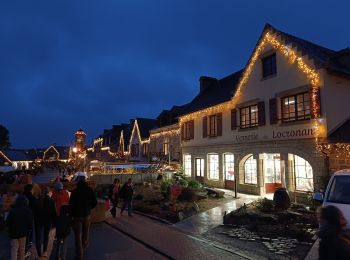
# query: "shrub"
183,182
194,184
187,194
264,205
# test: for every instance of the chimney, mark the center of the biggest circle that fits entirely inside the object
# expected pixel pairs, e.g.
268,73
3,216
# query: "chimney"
205,82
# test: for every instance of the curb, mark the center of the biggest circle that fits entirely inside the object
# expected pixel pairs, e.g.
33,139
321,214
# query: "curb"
140,241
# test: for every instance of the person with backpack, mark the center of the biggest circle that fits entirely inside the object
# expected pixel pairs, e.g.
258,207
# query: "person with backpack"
19,222
126,193
63,227
114,191
81,202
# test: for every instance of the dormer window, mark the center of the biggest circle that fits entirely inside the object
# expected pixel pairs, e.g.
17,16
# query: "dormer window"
269,65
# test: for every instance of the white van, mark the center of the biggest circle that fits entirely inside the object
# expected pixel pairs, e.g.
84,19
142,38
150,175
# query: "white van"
337,193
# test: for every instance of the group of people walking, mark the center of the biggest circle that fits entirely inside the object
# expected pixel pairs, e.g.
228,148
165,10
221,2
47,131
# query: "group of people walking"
125,192
34,216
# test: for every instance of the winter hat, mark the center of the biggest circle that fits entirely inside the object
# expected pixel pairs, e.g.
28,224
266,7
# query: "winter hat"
58,186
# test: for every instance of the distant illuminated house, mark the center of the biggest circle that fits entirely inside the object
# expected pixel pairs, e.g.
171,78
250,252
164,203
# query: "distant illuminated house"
56,153
18,159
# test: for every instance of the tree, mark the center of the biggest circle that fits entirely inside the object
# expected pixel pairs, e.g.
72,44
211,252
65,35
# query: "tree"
4,138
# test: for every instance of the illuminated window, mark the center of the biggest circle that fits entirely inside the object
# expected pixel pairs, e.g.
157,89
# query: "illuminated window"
145,149
296,107
166,146
187,165
304,180
229,167
249,116
269,65
213,166
250,171
199,167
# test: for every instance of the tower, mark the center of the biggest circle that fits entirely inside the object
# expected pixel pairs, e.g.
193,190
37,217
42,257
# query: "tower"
80,137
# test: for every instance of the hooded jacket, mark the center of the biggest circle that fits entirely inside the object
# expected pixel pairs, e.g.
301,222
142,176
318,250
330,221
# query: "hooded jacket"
20,219
82,200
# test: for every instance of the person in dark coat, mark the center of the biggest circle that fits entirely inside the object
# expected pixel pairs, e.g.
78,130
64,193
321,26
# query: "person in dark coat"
126,193
19,222
44,219
63,227
81,202
28,193
334,237
114,191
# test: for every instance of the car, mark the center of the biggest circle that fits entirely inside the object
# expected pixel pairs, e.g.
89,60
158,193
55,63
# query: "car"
337,193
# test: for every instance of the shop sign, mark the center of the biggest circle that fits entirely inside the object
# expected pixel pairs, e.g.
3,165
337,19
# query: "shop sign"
295,133
252,137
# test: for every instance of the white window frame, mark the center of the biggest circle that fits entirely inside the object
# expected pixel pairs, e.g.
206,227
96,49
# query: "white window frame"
187,164
227,165
300,164
213,167
200,169
250,171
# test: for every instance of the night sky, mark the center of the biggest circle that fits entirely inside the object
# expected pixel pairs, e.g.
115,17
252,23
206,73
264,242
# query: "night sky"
88,64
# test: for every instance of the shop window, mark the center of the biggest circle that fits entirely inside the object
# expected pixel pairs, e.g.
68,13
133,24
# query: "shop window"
296,107
199,167
304,180
269,65
249,116
250,171
187,165
272,168
229,167
213,166
166,146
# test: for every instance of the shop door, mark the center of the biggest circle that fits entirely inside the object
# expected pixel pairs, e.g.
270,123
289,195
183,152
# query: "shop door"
200,170
272,172
229,171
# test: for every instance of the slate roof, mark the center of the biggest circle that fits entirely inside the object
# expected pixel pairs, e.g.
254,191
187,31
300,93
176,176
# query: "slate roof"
323,57
145,125
16,155
218,92
341,134
169,117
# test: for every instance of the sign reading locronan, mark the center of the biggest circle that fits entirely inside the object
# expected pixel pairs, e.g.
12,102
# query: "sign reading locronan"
296,133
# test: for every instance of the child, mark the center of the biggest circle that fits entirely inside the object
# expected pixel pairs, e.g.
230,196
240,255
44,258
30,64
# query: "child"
19,222
63,226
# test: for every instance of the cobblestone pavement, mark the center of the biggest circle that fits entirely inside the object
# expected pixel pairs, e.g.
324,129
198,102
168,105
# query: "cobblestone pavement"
168,240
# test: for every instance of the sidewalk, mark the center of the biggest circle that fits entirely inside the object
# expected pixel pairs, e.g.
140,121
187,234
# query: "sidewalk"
202,222
168,241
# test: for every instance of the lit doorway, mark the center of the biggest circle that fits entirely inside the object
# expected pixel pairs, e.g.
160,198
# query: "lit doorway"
272,171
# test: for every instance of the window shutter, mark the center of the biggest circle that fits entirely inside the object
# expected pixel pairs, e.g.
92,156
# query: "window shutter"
233,119
315,113
219,124
192,129
205,126
182,132
261,113
273,111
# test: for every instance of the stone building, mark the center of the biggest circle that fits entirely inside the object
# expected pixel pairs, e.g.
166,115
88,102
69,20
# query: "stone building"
262,127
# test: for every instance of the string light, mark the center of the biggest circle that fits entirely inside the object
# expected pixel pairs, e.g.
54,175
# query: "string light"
58,154
171,131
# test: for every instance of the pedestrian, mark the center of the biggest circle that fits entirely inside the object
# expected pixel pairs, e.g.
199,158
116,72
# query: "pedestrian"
81,202
60,196
28,193
126,193
44,219
19,222
63,227
114,196
334,237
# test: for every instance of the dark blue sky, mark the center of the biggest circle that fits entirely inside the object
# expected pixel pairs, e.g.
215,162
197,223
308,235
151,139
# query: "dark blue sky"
68,64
